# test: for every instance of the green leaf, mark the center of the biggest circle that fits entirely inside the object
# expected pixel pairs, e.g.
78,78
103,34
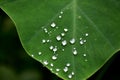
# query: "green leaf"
72,38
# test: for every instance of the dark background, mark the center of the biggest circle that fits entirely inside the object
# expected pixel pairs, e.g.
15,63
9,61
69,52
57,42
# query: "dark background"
15,64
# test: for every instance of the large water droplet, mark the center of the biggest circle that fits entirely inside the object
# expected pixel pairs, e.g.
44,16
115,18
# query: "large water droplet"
62,34
64,42
53,25
81,42
55,49
72,41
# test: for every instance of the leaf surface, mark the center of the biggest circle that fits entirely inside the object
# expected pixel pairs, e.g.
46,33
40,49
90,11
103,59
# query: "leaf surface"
72,38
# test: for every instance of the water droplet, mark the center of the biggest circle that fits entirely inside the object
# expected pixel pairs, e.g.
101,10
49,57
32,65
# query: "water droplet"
54,57
58,38
68,64
84,55
81,42
69,76
72,73
55,49
43,41
39,53
75,52
79,17
62,34
72,41
80,38
51,64
57,70
45,30
53,25
65,69
64,42
61,12
60,16
86,34
48,41
45,62
84,41
63,49
86,60
66,30
51,47
51,69
32,55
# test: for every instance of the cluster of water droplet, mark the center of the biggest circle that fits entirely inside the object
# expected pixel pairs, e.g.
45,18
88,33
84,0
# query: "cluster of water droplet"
59,37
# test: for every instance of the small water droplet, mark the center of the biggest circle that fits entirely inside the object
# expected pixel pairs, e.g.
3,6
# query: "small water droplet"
61,12
69,76
80,38
84,55
51,47
51,69
54,57
53,25
84,41
64,42
62,34
60,16
86,34
63,49
65,29
39,53
68,64
45,30
81,42
55,49
32,55
86,60
43,41
72,41
48,41
51,64
72,73
45,62
75,52
57,70
65,69
58,38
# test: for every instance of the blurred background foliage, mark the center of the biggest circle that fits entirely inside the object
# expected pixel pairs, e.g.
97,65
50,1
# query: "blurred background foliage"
15,64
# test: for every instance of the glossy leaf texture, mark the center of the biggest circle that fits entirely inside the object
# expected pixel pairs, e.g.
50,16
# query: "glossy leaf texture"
72,38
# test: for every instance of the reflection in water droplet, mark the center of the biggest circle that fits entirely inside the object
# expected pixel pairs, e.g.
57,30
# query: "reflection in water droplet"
81,42
55,49
32,55
72,73
84,55
60,16
61,12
